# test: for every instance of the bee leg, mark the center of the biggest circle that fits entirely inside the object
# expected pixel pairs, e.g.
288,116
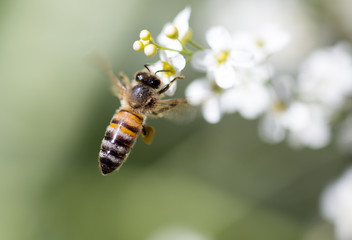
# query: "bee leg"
166,105
164,89
147,134
124,78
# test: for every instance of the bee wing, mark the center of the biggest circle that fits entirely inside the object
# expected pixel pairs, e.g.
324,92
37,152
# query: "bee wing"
177,110
103,65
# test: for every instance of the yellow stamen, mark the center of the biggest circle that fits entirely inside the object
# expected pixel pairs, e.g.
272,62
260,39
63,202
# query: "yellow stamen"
278,106
222,57
187,37
260,43
170,69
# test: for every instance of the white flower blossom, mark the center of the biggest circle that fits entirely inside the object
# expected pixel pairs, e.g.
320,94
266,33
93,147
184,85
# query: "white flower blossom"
326,77
214,100
263,43
292,16
184,32
304,124
314,129
336,205
169,67
220,61
251,96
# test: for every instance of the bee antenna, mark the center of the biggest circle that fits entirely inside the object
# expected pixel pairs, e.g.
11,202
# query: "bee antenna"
162,70
146,66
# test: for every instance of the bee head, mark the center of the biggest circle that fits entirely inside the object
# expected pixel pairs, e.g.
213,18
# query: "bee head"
148,79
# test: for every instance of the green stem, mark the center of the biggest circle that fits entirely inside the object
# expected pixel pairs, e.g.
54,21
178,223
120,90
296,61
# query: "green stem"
188,59
184,51
195,45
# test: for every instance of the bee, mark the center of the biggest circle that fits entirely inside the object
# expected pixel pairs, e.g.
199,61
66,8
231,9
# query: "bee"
139,99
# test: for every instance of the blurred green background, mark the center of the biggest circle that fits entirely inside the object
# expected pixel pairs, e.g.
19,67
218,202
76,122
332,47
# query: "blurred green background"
217,181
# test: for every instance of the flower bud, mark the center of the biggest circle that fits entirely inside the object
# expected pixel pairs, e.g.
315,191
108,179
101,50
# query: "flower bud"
144,35
150,50
138,45
171,31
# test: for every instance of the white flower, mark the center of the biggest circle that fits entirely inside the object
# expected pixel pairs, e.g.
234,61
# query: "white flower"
169,67
313,129
214,100
220,60
336,205
272,126
305,124
262,43
291,16
184,32
251,96
326,77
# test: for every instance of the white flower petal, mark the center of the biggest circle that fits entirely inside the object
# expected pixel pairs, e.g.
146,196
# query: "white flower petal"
211,111
171,91
181,21
241,58
336,205
316,135
155,66
271,130
253,99
203,60
274,38
219,38
225,76
229,101
178,61
296,117
198,91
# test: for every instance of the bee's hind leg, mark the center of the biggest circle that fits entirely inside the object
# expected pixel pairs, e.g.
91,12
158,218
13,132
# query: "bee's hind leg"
166,105
147,134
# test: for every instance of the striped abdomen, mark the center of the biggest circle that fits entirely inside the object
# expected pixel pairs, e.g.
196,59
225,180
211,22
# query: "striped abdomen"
120,137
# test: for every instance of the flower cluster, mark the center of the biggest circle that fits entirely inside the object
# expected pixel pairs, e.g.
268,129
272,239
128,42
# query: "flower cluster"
239,78
336,205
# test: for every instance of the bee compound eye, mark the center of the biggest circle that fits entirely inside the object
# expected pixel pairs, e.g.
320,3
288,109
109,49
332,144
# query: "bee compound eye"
141,76
153,82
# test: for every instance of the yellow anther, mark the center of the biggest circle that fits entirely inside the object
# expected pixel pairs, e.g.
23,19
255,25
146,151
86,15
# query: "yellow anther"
222,56
260,43
187,36
278,106
170,70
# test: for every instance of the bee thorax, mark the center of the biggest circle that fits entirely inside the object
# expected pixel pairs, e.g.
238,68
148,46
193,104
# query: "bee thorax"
140,95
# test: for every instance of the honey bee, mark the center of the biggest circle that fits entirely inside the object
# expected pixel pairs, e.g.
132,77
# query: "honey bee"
139,99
